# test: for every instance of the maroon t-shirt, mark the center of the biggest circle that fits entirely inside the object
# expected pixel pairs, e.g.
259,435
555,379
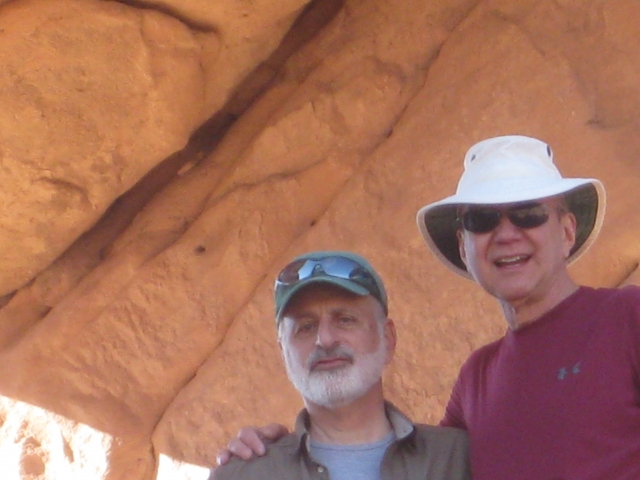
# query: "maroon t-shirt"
558,399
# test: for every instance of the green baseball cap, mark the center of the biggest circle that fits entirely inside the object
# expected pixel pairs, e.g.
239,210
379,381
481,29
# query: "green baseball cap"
343,269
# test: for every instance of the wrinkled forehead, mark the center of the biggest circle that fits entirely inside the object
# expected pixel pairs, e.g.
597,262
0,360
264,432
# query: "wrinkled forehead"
330,298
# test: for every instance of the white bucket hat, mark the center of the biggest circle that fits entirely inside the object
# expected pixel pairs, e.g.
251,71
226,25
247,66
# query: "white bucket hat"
510,169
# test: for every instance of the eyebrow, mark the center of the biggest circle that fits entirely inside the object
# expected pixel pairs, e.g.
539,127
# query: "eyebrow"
303,314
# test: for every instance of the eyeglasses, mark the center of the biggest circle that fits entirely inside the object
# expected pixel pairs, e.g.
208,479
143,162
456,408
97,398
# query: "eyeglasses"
484,219
333,266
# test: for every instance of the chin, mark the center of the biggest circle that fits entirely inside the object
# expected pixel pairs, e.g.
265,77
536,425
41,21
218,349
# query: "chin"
511,293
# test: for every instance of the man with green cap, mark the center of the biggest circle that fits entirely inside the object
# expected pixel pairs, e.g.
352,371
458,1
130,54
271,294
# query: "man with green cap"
336,339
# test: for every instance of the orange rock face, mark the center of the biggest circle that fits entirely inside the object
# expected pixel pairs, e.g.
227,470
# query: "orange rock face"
161,160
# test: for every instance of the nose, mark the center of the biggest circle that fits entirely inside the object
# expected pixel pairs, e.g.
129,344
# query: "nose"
505,229
327,337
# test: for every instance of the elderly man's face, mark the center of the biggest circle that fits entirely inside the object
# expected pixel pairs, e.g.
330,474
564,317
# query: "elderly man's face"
335,344
520,265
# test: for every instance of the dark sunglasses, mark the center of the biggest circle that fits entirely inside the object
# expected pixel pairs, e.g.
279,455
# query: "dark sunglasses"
333,266
484,219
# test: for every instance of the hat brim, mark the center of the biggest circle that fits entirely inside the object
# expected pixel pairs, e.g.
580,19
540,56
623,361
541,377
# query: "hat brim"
438,221
343,283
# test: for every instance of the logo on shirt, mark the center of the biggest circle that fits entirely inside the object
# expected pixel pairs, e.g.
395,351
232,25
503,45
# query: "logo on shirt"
564,372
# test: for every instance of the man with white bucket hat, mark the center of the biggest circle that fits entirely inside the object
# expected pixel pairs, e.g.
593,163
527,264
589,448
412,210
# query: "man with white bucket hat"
558,397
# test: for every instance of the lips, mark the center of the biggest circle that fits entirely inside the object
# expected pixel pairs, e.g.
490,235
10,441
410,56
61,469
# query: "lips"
512,260
330,363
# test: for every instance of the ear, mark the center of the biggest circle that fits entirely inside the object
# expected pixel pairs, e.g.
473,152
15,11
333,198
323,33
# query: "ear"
391,338
569,226
283,352
280,334
461,248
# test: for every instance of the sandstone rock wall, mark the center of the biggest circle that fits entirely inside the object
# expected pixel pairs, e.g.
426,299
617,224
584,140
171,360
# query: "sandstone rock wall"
161,160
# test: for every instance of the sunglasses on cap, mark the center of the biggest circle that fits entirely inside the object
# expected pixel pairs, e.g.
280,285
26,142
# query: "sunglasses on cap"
331,266
484,219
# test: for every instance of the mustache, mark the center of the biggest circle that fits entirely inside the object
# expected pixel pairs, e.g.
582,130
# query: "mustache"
336,352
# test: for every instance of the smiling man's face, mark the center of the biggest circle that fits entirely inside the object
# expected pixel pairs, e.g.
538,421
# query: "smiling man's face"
521,265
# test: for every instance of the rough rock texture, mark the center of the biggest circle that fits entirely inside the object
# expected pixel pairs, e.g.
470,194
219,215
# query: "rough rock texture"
161,160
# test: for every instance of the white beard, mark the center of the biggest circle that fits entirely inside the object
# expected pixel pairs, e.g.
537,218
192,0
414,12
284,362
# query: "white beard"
340,386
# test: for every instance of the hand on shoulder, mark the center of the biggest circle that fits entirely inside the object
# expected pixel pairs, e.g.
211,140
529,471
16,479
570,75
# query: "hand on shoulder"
251,441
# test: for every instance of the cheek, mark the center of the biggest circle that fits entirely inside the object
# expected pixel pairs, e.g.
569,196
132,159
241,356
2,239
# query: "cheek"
295,354
372,342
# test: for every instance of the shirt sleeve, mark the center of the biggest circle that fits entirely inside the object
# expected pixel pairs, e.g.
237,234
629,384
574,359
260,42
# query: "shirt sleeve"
635,325
453,415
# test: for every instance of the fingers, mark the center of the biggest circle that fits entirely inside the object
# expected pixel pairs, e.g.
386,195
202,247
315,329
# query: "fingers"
247,443
237,447
250,441
273,431
223,456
